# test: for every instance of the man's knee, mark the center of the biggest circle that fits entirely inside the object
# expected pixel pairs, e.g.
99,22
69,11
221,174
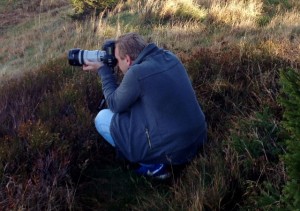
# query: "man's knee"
103,116
103,120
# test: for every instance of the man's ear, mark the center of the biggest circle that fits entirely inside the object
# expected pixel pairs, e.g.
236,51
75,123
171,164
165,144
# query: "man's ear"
128,60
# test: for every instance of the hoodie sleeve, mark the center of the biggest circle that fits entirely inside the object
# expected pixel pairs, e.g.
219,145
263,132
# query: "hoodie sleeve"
119,98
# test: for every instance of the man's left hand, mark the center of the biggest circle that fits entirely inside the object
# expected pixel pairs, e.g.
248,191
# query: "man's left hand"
92,66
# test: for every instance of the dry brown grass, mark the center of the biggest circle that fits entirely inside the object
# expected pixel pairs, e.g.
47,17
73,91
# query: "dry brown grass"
236,13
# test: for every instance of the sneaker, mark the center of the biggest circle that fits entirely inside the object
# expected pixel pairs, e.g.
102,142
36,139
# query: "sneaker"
157,171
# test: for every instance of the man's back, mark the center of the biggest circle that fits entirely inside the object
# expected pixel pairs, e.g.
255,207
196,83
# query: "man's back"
165,124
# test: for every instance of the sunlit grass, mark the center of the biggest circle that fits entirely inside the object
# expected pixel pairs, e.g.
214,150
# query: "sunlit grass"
178,36
285,23
207,23
237,13
186,9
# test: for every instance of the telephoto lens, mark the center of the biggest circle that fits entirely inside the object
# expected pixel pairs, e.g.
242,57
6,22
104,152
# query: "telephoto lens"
77,57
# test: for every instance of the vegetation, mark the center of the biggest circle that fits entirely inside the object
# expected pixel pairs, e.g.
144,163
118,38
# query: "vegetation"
243,60
86,6
290,81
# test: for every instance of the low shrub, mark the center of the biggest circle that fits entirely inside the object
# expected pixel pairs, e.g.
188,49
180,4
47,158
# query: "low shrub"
290,99
46,136
82,7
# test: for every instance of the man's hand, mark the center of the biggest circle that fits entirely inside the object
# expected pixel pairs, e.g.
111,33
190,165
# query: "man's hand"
92,66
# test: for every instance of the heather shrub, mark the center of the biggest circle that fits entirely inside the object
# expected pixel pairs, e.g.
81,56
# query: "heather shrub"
46,136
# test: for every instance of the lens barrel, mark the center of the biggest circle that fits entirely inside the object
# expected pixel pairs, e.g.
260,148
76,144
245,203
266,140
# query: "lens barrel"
75,57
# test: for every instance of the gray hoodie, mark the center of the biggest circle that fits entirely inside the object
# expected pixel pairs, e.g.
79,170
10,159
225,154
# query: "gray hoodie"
157,118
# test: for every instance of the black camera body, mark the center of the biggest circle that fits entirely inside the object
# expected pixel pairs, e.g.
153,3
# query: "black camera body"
77,57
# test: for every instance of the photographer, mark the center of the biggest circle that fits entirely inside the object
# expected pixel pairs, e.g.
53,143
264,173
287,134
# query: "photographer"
153,116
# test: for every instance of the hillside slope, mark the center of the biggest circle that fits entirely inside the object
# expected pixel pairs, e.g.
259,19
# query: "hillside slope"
31,33
51,156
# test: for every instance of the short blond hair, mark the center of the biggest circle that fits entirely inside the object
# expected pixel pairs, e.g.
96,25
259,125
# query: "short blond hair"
130,44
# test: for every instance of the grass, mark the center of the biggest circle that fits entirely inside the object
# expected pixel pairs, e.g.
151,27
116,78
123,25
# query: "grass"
52,157
31,41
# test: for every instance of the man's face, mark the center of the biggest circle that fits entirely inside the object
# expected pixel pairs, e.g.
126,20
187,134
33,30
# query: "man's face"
124,63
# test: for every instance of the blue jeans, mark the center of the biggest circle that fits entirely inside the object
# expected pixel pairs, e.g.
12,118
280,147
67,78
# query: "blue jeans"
102,123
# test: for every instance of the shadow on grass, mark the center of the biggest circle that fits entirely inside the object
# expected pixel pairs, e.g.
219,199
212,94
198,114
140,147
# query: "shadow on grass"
111,184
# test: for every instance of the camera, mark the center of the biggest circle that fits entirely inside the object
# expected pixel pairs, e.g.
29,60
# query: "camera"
77,57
